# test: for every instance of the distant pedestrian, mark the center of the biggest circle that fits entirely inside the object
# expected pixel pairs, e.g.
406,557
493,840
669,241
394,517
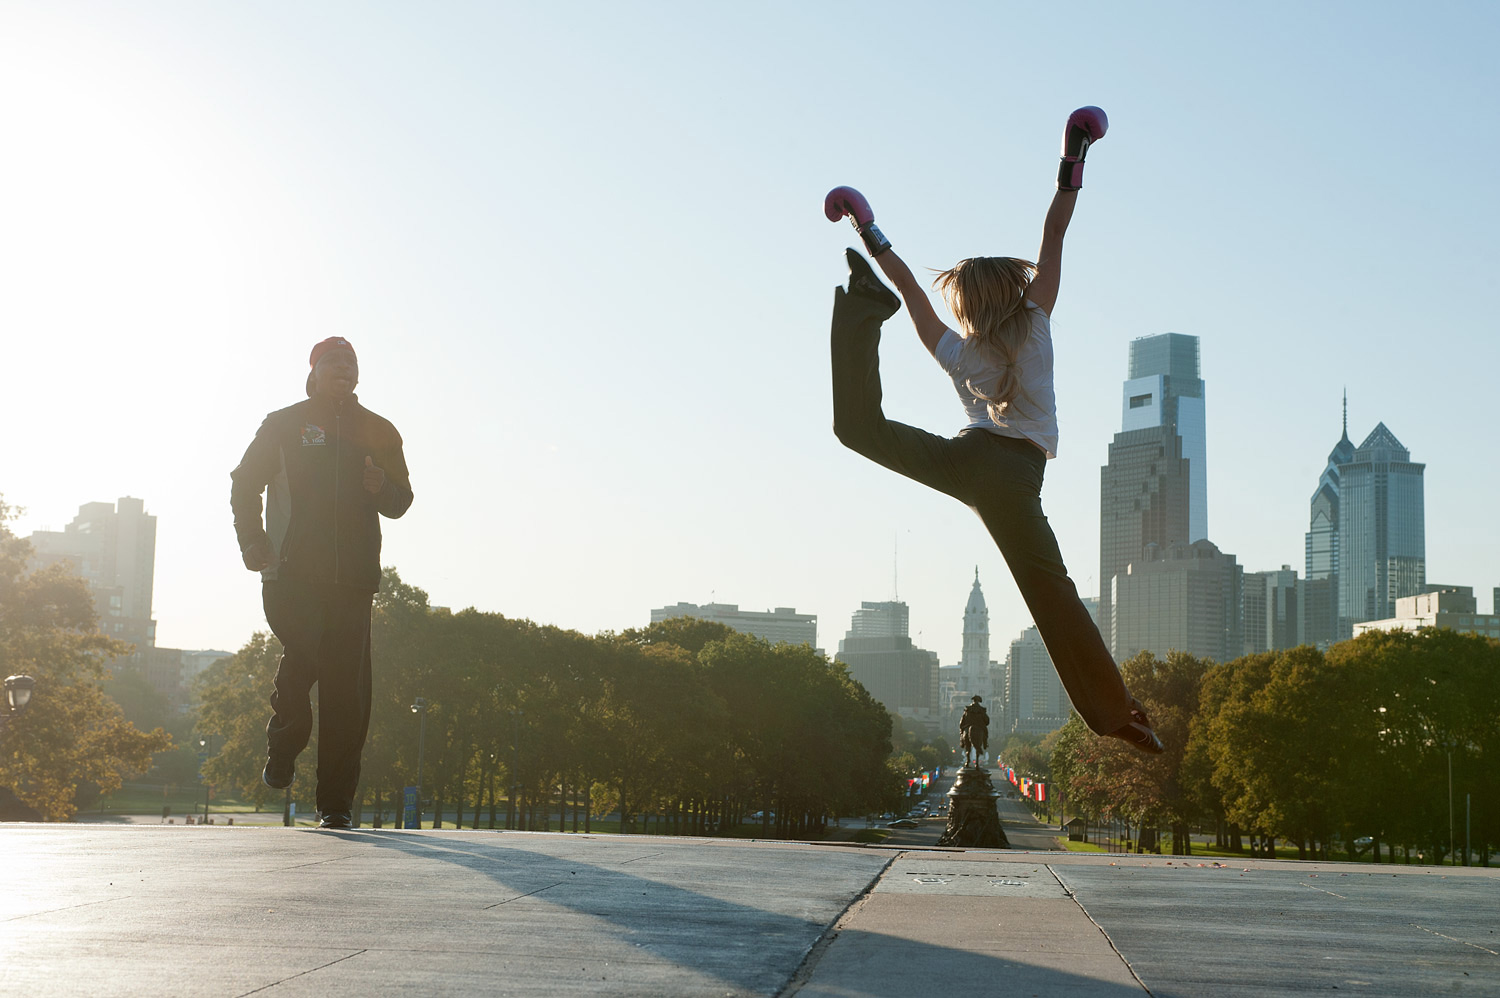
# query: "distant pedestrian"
1000,360
331,468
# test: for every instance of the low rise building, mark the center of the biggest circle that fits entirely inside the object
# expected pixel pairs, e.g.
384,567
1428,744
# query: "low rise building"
1454,608
783,625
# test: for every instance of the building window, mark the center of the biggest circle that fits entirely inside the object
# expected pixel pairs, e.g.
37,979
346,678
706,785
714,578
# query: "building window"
1140,401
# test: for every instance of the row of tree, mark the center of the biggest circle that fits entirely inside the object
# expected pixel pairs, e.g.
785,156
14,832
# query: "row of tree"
684,719
1387,741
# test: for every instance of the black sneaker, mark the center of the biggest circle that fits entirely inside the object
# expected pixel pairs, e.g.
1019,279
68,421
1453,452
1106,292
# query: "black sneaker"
279,773
864,284
337,819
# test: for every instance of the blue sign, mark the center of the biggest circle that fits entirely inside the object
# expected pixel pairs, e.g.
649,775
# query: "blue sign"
409,805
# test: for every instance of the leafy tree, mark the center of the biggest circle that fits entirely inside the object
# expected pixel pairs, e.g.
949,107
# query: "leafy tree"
685,720
72,734
1105,778
234,705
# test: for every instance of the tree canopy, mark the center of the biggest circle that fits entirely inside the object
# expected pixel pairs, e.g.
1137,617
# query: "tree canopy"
1342,747
72,734
684,718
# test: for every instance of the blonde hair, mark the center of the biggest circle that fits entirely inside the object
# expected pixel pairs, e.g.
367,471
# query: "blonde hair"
987,295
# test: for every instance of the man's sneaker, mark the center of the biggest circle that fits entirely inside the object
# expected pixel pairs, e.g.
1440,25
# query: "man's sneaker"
279,773
336,820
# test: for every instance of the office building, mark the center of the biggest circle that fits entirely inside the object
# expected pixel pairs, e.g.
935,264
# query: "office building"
1453,607
883,659
781,625
1185,597
112,547
1165,388
1154,489
1382,536
880,620
1035,701
1270,610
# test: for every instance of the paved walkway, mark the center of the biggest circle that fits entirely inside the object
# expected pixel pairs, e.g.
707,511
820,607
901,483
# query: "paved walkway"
135,910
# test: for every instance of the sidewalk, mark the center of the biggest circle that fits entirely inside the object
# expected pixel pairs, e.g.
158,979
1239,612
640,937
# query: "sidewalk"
130,910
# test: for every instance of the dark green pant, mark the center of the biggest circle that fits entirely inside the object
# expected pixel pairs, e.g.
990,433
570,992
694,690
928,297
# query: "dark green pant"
324,632
1000,479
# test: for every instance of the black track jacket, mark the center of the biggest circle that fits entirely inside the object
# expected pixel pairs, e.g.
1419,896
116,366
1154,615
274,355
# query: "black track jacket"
321,524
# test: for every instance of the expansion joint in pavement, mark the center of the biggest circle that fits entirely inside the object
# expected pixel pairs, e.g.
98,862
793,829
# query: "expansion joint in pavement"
311,970
815,952
1074,895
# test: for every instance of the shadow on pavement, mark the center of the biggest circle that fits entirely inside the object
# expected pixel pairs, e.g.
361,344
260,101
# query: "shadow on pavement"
705,916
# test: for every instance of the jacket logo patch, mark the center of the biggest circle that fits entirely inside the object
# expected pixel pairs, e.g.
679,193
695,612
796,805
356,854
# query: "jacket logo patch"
313,436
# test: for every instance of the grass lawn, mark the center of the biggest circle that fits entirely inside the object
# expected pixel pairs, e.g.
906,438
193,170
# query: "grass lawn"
1200,850
183,799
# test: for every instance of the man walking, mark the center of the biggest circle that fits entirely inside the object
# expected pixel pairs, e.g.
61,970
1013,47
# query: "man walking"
331,468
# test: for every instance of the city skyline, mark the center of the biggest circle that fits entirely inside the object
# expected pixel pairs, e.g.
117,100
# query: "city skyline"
583,261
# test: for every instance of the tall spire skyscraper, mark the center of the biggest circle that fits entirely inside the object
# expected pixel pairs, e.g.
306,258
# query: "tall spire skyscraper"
1321,584
974,666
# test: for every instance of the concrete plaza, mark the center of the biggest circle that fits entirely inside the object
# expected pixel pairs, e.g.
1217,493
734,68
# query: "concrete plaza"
232,911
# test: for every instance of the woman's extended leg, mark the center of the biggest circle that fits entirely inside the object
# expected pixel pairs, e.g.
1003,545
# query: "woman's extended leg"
858,420
1006,493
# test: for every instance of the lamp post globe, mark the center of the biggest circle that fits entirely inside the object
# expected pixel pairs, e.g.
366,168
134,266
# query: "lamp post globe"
18,690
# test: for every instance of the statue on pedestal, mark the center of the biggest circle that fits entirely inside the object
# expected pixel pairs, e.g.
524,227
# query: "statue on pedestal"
974,730
973,819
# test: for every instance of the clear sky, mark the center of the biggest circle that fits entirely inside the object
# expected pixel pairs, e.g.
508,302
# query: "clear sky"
581,253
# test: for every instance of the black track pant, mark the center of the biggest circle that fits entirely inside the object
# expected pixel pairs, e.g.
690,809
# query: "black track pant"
1000,478
325,638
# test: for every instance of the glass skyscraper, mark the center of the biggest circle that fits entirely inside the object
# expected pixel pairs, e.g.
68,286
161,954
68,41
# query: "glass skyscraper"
1321,583
1154,490
1165,389
1382,547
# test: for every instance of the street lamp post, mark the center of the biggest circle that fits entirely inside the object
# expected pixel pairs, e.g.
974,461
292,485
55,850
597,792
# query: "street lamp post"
18,690
419,707
203,744
515,755
1449,746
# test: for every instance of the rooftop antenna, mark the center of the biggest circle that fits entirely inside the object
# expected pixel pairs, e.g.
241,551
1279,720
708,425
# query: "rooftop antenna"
1346,410
895,566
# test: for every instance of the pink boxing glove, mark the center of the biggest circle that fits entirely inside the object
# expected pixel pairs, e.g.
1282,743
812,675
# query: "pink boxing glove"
843,201
1086,126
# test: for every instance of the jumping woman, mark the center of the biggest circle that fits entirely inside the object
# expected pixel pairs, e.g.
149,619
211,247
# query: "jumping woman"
1000,360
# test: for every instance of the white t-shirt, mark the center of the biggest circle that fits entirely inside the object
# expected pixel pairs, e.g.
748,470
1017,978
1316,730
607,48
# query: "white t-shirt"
1035,421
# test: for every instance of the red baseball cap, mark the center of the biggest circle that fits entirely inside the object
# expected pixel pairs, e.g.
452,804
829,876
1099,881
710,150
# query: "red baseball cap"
328,345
